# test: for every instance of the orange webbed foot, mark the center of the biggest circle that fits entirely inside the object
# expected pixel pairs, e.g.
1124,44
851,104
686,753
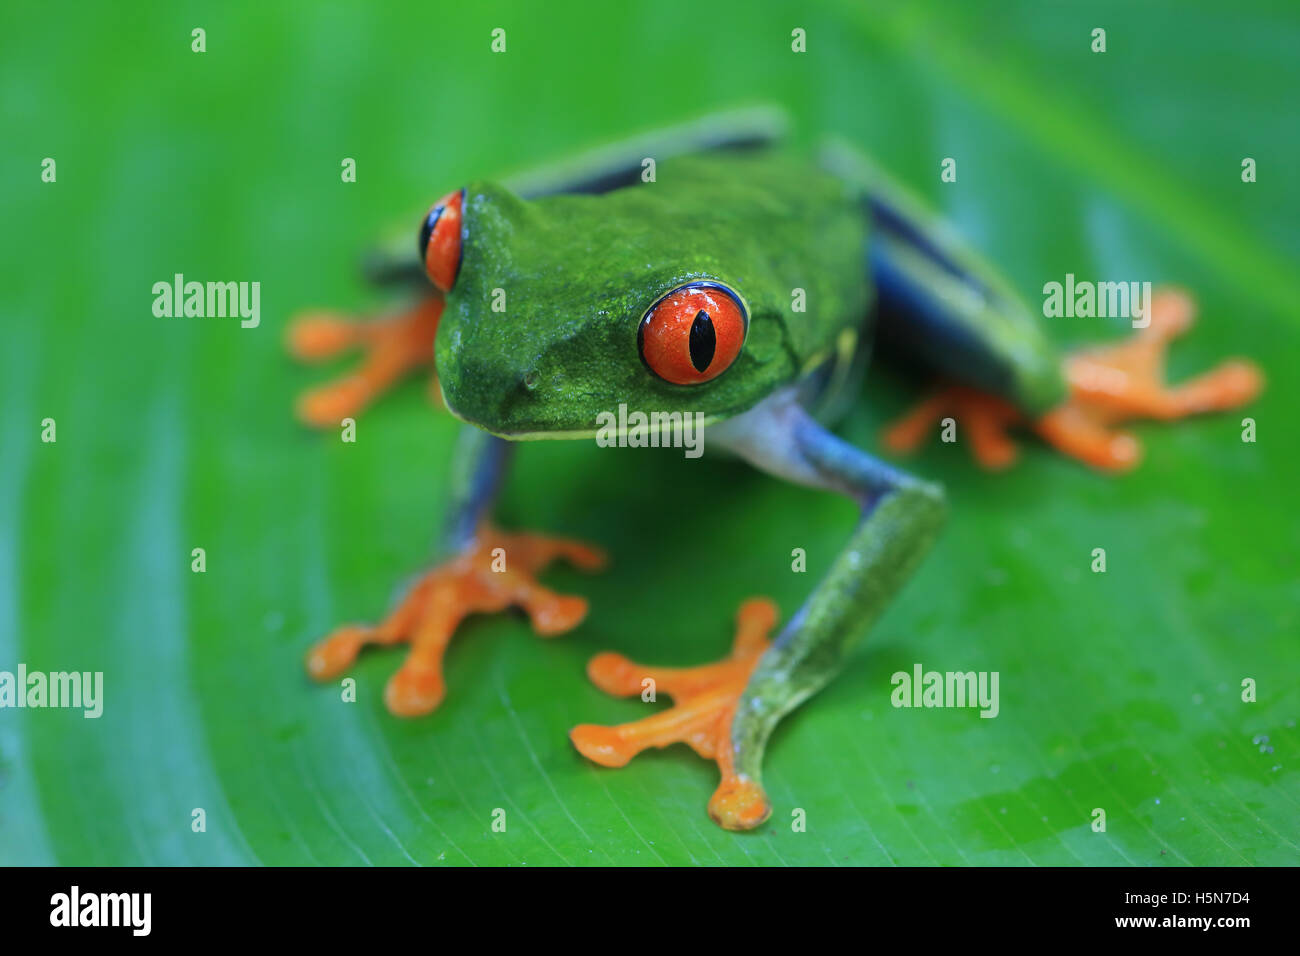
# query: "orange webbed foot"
985,419
1116,383
393,345
705,699
496,571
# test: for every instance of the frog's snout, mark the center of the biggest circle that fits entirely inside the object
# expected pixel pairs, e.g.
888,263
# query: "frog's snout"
499,400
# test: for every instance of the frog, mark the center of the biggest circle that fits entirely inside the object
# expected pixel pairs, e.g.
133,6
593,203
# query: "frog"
714,270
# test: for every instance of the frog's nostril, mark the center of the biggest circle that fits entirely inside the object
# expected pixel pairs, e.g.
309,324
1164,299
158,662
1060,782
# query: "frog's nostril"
490,394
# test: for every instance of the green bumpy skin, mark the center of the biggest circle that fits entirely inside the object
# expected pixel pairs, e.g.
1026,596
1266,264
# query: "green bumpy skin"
577,273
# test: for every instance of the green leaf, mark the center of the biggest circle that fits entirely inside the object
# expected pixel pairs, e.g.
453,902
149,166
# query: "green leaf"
1120,691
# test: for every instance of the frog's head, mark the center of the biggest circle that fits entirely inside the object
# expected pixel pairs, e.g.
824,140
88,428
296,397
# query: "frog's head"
563,308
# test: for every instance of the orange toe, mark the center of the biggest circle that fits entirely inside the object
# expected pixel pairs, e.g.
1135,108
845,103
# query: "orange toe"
1073,432
739,804
314,336
414,693
602,745
615,674
328,405
908,433
553,614
335,654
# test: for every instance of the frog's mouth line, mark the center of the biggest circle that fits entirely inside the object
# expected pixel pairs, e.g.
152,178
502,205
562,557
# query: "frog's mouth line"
566,435
576,434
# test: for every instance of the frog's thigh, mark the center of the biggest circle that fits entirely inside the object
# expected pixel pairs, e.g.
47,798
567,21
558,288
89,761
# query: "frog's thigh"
943,308
942,303
960,326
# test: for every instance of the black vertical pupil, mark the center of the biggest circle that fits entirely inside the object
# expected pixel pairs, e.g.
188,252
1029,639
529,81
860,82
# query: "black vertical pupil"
426,231
704,341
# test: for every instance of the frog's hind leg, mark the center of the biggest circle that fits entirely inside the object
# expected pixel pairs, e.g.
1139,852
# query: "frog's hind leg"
943,306
942,311
1116,383
394,345
1107,385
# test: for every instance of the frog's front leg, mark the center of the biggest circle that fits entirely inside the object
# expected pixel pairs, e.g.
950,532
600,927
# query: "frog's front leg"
486,571
900,518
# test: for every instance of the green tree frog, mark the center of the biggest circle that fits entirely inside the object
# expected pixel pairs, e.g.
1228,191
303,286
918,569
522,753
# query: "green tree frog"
745,283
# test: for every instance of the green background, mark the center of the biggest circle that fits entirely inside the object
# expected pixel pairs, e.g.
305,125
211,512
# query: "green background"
1119,691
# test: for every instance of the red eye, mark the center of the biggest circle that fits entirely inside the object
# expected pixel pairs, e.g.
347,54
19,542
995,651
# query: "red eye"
693,333
440,240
